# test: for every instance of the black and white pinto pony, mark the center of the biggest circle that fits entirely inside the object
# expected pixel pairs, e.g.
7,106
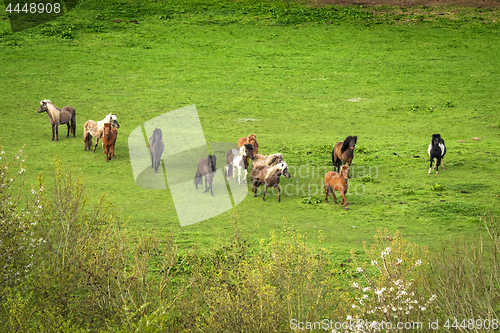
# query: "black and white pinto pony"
156,147
206,167
96,129
238,159
268,176
436,150
59,117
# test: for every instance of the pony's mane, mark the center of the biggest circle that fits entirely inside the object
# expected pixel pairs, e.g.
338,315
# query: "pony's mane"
243,148
45,101
347,141
272,170
109,117
211,159
274,159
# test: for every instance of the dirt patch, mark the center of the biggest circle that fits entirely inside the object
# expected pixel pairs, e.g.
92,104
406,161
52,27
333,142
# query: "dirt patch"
411,3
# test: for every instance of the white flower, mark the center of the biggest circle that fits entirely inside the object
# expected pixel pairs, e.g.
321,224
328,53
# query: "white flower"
374,262
398,261
359,270
355,285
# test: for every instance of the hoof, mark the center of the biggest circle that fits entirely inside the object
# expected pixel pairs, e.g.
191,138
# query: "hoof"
212,195
346,208
436,172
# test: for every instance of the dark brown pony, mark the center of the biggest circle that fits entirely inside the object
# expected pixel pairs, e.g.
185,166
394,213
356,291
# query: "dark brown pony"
251,139
59,117
156,148
339,182
269,176
109,140
206,167
343,152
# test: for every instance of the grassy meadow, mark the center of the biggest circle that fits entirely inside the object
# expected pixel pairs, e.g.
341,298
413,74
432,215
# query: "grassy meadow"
301,78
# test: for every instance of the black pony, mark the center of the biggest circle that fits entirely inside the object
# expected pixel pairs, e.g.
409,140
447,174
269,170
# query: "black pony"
436,150
343,152
206,167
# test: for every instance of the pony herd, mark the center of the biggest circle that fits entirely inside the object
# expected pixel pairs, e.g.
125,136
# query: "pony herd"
265,170
105,129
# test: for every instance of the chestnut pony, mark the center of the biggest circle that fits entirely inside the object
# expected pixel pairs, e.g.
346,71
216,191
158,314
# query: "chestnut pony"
251,139
339,182
109,140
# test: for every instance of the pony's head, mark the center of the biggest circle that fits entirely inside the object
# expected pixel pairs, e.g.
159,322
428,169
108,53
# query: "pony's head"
283,167
436,139
349,143
107,129
157,134
212,162
111,118
344,171
248,150
43,107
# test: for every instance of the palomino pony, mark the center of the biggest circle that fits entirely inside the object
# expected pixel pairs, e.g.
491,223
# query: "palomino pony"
59,117
156,148
339,182
251,139
436,150
238,159
343,152
206,167
270,160
269,176
109,140
93,129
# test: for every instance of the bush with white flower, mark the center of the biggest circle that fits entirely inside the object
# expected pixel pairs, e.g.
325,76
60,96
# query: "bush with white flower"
17,220
388,292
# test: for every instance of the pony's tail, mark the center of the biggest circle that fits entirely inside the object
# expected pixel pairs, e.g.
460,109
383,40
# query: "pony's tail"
197,178
73,122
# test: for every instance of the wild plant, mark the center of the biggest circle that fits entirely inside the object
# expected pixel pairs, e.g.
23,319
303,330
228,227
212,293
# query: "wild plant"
391,291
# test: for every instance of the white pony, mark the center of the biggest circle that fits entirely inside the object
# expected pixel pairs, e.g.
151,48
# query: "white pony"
93,129
238,159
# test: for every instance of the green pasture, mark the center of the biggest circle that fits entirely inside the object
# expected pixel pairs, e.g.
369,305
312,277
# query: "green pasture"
300,83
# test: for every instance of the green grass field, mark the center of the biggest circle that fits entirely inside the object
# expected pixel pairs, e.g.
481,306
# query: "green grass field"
300,82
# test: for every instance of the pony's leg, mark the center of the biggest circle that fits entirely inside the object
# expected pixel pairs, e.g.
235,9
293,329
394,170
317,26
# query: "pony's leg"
246,173
67,135
265,190
255,186
430,168
334,196
57,132
96,142
343,200
53,131
279,192
442,163
211,191
326,193
438,162
206,185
